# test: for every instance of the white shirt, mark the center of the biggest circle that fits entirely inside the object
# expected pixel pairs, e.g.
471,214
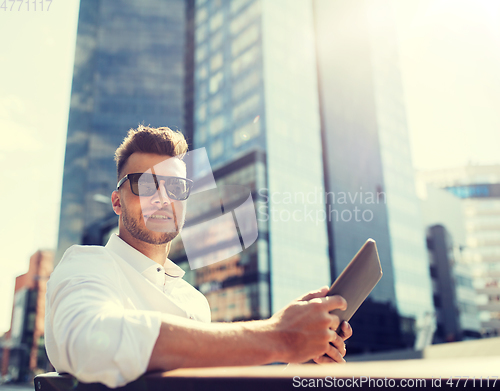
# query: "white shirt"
103,311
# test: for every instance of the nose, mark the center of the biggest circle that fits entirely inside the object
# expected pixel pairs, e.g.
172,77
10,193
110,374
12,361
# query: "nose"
160,197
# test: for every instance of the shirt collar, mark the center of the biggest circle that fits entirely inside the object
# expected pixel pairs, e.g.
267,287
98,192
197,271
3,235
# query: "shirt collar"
138,260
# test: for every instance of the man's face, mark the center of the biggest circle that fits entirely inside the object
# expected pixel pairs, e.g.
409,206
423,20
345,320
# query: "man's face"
154,219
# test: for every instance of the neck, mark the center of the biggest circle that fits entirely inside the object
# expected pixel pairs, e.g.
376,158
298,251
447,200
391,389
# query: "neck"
155,252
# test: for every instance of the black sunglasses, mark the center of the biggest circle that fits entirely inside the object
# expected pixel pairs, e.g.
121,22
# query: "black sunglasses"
146,185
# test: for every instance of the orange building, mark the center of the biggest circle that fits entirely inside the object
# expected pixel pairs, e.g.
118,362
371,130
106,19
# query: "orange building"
24,347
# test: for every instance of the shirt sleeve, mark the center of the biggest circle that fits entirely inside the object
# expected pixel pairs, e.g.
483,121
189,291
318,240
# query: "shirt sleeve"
95,338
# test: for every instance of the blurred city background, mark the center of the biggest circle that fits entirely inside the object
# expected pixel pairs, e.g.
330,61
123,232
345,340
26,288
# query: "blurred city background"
346,120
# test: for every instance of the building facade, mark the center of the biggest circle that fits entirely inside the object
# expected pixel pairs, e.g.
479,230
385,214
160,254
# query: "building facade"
367,155
130,69
453,293
256,90
23,347
478,187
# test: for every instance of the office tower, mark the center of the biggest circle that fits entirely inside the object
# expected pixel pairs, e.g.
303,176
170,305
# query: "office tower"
256,90
479,189
367,152
453,293
445,221
24,348
129,69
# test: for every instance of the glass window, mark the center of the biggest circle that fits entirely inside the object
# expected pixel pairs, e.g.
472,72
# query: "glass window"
31,321
216,149
202,134
216,21
238,4
248,37
245,133
217,125
201,113
202,91
216,104
244,61
216,82
201,72
216,62
216,40
201,32
242,20
201,15
247,107
246,84
201,53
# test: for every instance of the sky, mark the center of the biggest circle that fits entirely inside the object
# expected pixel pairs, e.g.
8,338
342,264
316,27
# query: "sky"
449,59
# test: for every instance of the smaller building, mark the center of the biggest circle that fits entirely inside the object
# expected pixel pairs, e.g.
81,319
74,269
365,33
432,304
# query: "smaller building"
24,354
477,187
453,293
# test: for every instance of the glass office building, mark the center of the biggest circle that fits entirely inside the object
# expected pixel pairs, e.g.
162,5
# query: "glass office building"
408,244
367,153
256,89
478,187
442,208
129,69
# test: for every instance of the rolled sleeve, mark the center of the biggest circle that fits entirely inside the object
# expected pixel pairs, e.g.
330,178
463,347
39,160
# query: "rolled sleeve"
97,339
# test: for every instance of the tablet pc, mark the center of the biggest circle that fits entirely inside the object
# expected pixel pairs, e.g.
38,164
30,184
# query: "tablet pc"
357,280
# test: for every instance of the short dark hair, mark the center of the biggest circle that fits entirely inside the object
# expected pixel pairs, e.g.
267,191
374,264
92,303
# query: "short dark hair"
161,141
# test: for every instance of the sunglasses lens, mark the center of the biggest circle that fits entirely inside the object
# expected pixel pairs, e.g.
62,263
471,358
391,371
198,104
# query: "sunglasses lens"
177,188
144,185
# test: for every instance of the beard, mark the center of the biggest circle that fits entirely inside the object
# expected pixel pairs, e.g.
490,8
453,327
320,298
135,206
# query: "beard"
132,225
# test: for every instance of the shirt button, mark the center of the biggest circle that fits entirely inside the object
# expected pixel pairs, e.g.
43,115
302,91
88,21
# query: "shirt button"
158,270
190,317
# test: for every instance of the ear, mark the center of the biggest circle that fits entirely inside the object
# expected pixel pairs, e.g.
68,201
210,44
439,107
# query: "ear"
115,201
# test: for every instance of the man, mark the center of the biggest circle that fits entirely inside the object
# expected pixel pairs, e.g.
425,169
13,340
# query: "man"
117,311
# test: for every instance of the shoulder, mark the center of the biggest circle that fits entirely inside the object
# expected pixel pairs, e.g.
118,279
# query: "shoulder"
86,262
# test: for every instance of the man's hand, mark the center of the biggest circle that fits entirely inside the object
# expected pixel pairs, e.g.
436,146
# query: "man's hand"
306,328
335,353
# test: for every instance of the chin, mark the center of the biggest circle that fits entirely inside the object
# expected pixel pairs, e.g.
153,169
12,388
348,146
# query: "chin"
161,238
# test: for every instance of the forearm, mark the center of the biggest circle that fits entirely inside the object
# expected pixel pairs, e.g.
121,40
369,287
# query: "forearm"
300,331
185,343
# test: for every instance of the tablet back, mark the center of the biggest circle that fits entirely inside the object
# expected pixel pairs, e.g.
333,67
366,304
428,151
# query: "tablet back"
358,279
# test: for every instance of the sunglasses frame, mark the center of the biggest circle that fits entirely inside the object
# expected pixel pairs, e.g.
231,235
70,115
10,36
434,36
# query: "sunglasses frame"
157,179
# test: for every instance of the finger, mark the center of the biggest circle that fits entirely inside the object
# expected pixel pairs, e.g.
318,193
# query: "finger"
335,323
339,344
346,330
334,302
314,294
335,355
331,356
324,360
